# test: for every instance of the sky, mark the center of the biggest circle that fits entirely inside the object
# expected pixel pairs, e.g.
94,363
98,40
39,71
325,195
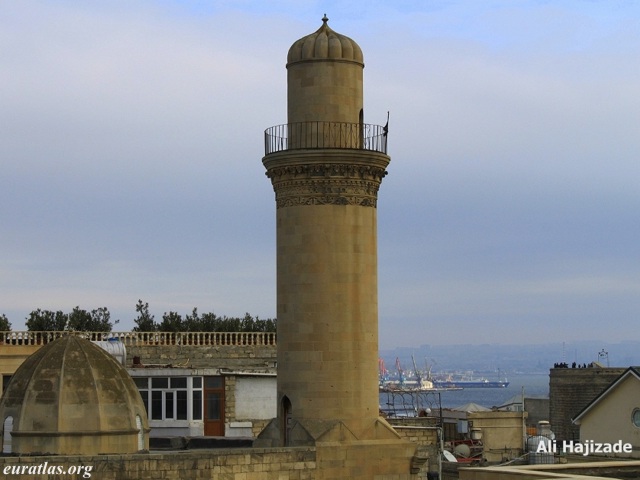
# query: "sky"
131,140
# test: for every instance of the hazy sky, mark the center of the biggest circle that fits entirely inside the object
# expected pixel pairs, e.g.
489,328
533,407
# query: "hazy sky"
131,139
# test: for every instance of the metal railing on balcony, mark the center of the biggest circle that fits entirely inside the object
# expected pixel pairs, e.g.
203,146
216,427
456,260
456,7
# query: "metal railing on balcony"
317,135
145,338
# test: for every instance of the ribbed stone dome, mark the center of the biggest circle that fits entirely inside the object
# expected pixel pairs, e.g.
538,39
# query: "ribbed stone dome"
325,44
72,397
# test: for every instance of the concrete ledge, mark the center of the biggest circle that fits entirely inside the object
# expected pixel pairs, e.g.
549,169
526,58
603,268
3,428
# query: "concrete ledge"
583,471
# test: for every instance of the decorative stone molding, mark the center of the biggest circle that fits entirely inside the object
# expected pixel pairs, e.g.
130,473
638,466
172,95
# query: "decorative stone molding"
326,184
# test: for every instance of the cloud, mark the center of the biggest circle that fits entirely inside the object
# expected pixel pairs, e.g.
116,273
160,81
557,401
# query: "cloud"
131,141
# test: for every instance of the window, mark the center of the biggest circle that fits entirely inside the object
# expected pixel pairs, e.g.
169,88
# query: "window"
197,404
156,405
162,382
5,382
181,405
214,382
179,382
196,401
141,383
170,398
635,417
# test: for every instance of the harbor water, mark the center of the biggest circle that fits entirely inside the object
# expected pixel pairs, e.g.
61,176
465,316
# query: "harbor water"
534,385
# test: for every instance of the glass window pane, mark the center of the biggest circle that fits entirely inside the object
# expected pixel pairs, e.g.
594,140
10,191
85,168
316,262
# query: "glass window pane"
5,382
156,405
197,382
213,382
168,405
161,382
181,405
197,405
145,399
179,382
141,382
213,406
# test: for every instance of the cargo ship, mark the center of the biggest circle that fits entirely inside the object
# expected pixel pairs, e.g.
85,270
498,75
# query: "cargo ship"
450,382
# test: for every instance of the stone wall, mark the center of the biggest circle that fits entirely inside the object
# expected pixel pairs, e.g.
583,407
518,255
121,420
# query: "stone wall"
229,464
230,357
537,410
419,430
572,389
423,432
502,433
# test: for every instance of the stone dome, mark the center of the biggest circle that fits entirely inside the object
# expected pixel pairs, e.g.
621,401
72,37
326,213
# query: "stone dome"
325,44
72,397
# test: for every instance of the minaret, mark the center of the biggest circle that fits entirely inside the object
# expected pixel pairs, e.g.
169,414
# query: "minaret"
326,166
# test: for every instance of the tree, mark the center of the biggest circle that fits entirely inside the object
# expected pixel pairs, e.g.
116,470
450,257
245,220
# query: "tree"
172,322
101,318
193,323
268,325
5,324
247,324
97,320
145,321
230,324
46,321
209,322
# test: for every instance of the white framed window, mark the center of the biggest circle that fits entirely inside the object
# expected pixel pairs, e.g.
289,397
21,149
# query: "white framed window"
171,398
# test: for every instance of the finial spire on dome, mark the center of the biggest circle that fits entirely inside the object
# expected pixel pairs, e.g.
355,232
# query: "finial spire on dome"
324,43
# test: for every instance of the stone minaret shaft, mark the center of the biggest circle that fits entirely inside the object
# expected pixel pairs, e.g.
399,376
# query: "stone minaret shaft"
326,166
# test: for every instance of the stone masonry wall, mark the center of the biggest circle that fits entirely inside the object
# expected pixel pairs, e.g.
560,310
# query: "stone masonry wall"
229,464
422,432
572,389
199,356
419,430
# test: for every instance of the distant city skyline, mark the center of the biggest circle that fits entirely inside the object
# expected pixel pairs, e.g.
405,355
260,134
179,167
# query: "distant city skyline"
132,138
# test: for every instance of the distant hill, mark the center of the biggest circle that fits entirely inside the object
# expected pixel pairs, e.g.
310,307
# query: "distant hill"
512,358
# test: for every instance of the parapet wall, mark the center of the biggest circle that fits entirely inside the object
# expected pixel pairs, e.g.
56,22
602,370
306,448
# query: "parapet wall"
241,464
572,389
227,350
205,356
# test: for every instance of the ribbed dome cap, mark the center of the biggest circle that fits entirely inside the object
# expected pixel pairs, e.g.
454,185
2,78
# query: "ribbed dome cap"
72,385
325,44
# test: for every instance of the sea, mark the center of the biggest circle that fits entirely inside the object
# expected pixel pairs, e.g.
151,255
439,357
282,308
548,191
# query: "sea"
533,385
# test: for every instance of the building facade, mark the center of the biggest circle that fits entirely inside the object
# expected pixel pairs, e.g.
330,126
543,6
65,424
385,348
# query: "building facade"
192,384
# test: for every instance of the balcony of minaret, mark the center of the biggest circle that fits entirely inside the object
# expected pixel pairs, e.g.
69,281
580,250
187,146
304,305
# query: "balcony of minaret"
325,135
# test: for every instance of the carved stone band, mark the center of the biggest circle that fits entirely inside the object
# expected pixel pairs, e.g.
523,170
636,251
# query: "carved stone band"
326,184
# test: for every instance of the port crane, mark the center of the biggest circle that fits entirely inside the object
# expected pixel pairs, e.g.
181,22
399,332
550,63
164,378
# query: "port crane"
401,377
383,373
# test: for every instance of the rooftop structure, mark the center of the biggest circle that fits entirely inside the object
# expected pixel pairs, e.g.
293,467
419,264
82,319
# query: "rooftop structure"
72,397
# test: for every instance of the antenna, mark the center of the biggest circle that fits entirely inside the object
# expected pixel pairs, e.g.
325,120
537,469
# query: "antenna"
603,354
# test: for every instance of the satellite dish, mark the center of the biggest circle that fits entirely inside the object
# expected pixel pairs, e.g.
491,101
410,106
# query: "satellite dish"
448,456
462,450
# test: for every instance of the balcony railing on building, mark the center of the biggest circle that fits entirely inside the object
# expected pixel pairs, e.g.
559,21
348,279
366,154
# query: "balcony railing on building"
318,135
145,338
